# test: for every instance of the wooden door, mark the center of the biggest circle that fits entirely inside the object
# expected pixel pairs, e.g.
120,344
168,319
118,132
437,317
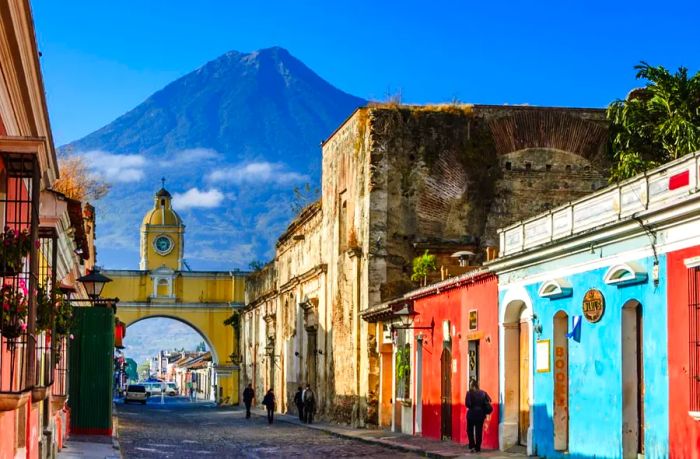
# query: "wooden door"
524,386
311,358
473,361
446,393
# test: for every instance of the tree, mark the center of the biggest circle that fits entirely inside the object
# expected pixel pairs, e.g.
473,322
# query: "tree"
77,182
656,123
422,266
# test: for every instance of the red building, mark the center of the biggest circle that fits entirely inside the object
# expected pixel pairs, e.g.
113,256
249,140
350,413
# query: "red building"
684,352
462,345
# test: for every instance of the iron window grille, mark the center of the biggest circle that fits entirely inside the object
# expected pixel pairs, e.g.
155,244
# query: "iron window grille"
694,323
60,384
47,257
19,211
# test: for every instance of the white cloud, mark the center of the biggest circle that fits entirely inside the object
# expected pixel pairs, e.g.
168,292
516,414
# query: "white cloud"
196,198
115,168
193,155
257,173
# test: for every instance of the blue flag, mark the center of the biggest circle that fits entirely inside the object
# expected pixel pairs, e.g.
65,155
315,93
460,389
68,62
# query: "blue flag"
576,329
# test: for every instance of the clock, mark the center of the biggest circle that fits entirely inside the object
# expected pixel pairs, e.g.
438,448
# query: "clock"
163,244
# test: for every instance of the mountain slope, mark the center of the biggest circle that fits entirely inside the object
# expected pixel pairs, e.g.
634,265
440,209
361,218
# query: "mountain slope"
246,106
233,138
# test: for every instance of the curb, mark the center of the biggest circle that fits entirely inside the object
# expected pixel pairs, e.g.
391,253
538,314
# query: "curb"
371,441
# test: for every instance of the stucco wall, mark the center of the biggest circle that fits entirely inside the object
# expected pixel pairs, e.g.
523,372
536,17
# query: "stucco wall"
454,305
595,368
684,430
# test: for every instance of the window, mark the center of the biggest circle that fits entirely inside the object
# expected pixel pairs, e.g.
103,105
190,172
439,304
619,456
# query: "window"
509,165
342,226
694,325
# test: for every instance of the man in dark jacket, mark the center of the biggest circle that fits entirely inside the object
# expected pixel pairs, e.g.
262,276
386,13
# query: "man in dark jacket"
299,402
269,402
479,404
248,396
309,404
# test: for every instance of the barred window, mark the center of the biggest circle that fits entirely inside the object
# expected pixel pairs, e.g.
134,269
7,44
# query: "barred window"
694,324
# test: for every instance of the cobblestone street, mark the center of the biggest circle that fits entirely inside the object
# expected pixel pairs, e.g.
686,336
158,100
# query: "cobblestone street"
180,429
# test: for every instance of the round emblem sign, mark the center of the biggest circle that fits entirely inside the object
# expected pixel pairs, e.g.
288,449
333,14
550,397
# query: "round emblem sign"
593,305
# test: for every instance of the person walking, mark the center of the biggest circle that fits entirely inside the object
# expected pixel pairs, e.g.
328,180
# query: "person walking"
479,406
309,404
248,396
269,402
299,402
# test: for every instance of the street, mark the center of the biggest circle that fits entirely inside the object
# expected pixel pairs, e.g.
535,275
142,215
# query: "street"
181,429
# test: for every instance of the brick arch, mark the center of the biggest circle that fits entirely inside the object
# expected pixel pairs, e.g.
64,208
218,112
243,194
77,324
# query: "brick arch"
551,129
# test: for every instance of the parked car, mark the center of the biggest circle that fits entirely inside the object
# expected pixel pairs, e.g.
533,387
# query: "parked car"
153,388
171,389
135,393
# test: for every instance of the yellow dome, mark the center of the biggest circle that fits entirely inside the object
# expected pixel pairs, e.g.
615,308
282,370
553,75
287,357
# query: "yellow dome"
162,212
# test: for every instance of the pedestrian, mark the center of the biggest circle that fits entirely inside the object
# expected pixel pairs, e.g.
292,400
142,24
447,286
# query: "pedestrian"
299,402
479,406
309,404
248,396
192,396
269,402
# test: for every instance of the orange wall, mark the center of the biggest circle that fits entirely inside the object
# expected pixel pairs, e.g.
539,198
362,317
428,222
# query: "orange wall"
7,427
684,433
453,305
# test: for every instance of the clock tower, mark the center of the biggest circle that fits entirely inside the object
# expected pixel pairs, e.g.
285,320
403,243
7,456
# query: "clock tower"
162,235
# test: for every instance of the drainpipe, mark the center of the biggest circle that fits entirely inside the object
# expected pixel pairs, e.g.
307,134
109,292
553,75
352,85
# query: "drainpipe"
360,417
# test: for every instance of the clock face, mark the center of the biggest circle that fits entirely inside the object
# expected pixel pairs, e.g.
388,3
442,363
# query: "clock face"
163,244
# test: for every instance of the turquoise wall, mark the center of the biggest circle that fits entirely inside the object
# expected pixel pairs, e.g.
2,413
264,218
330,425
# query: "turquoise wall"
595,369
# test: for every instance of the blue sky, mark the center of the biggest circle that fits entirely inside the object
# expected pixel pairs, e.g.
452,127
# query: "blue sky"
101,59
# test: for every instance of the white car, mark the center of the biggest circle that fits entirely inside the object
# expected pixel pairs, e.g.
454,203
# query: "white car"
135,393
171,389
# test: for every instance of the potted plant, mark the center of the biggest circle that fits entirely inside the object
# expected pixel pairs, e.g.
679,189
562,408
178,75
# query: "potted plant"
422,266
13,319
14,247
63,318
45,311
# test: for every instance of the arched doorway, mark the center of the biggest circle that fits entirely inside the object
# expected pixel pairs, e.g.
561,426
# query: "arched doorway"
632,380
516,370
446,391
561,381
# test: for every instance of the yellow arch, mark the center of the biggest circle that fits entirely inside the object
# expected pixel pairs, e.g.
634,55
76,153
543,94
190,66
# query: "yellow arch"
209,323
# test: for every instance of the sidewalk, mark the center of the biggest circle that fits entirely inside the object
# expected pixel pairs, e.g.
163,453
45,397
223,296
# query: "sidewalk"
409,443
89,447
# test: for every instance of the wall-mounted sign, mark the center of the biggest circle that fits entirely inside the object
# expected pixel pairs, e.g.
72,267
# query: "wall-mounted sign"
473,319
593,305
542,357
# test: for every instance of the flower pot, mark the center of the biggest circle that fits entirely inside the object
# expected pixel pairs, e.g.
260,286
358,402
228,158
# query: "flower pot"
10,402
39,393
58,401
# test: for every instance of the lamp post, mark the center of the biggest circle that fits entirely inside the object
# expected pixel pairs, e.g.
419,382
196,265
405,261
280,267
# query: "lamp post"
94,282
406,315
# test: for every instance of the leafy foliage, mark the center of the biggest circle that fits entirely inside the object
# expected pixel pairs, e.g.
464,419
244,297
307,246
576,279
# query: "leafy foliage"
76,180
64,317
656,123
403,370
422,266
45,312
256,265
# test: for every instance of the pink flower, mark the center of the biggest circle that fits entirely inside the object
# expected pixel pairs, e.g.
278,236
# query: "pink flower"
71,336
23,326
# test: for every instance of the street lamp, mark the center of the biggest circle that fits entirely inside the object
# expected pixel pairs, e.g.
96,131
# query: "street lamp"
405,316
94,283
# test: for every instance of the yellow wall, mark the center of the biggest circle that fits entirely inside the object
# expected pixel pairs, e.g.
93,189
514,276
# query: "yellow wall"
137,286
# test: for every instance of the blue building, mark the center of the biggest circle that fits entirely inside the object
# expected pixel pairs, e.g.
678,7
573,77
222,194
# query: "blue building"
583,312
